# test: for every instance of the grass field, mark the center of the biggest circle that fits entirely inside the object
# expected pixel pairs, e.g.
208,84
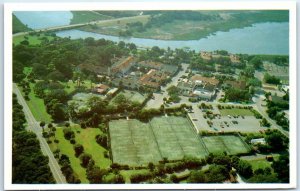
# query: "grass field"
87,16
86,137
132,96
71,86
136,143
37,106
225,143
32,39
236,111
259,163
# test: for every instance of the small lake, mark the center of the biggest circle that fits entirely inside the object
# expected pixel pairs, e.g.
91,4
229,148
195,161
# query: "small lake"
261,38
44,19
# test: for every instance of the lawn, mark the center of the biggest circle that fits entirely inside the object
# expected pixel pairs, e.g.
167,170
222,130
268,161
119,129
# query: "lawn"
87,16
236,111
37,106
71,86
136,143
225,143
67,148
259,163
32,39
86,137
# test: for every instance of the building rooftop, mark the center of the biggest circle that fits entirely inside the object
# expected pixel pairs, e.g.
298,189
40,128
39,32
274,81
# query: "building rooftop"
209,80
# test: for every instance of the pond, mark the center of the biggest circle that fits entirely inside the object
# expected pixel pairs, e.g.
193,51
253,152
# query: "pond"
261,38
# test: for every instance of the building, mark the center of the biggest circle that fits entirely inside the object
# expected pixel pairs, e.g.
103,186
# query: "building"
258,141
234,59
185,87
204,91
166,68
198,79
122,66
206,56
101,88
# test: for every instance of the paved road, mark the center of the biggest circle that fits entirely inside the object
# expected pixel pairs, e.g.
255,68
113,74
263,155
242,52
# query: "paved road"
65,27
262,110
34,127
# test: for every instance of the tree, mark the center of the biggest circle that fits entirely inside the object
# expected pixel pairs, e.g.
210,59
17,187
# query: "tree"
276,140
282,168
174,178
78,149
95,174
256,62
197,176
85,158
42,125
151,166
244,168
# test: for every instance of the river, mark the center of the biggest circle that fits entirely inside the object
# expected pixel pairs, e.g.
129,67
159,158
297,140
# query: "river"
260,38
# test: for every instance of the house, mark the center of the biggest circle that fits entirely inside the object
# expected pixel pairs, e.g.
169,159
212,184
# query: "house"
151,79
206,56
198,79
258,141
166,68
121,67
112,92
234,59
101,88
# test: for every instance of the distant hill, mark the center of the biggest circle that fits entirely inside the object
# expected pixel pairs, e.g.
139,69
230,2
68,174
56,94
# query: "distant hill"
18,26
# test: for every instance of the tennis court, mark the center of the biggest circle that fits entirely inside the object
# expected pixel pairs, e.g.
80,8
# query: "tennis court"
231,144
136,143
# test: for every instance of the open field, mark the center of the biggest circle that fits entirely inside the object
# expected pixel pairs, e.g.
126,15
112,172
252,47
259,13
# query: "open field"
66,148
259,163
236,111
87,16
37,106
225,143
32,39
85,137
71,86
137,143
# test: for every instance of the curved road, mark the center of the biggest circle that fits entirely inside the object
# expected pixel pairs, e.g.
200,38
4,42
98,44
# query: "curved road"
34,127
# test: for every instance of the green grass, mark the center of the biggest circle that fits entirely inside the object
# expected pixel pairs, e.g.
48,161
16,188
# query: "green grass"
131,96
86,137
67,148
225,143
236,111
87,16
18,26
71,86
127,173
259,163
37,106
32,39
27,70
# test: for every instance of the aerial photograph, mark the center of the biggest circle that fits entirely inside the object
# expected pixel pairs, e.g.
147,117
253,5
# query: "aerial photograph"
150,97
